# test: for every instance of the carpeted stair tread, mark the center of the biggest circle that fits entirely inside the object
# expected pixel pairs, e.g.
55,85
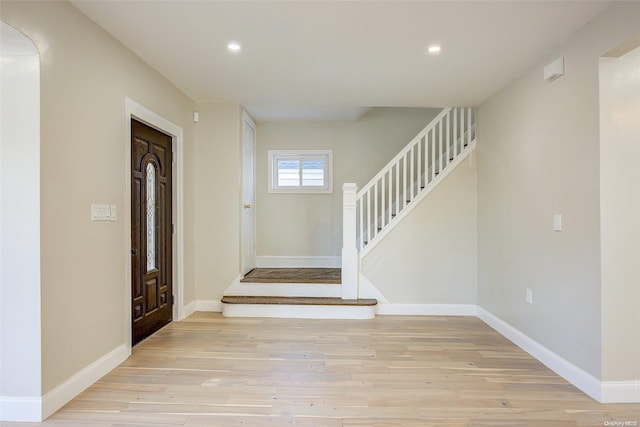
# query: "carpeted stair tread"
294,275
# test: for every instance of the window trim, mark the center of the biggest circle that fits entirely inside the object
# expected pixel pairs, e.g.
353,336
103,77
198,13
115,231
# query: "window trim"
275,155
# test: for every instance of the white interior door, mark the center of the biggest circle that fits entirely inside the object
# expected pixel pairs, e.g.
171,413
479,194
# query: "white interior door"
248,194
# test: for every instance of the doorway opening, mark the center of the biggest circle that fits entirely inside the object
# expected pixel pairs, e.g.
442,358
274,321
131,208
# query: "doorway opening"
151,230
248,221
133,110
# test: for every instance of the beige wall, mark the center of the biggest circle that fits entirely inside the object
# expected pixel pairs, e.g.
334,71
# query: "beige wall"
620,215
311,225
430,257
85,77
538,155
217,198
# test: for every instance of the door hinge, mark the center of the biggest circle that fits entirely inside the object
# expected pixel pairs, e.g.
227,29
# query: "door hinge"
173,228
173,299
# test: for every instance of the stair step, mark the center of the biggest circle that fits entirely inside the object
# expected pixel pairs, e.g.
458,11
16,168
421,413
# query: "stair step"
289,282
245,299
294,275
298,307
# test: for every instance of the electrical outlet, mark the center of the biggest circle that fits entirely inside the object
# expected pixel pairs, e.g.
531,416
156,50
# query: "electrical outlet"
529,296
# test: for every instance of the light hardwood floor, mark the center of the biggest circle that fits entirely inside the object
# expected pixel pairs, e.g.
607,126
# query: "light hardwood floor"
389,371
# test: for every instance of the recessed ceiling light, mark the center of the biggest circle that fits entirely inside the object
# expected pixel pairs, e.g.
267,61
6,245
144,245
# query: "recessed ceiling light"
434,49
234,47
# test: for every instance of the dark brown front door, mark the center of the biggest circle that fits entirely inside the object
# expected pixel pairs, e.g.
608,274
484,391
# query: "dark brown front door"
151,244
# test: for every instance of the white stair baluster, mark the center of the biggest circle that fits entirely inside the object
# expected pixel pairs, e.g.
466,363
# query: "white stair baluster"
448,138
455,132
433,155
425,177
382,200
440,147
369,235
390,201
462,142
419,174
361,213
468,126
397,198
411,179
404,181
375,209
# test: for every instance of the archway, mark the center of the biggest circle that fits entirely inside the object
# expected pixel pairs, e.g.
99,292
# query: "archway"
20,307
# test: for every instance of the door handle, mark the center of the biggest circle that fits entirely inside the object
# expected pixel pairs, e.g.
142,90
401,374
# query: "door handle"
247,206
134,251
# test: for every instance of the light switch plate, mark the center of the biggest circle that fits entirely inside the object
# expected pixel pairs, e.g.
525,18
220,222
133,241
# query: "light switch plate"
100,212
557,222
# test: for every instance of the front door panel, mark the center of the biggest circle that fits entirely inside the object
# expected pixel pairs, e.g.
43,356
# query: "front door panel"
151,231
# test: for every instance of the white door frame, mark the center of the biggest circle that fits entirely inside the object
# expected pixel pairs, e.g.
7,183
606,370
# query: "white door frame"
133,110
247,119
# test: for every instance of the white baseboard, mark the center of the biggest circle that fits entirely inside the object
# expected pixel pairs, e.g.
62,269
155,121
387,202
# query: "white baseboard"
298,262
35,409
189,309
620,392
208,305
21,409
75,385
384,307
427,309
567,370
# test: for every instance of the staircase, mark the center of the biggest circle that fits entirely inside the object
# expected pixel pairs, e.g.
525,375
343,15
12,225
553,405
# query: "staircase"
372,212
368,215
412,174
303,293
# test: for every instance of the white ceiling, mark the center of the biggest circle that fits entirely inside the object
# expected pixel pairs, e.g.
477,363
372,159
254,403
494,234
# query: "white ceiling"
334,59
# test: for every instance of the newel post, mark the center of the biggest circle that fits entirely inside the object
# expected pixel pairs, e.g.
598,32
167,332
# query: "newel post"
350,262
